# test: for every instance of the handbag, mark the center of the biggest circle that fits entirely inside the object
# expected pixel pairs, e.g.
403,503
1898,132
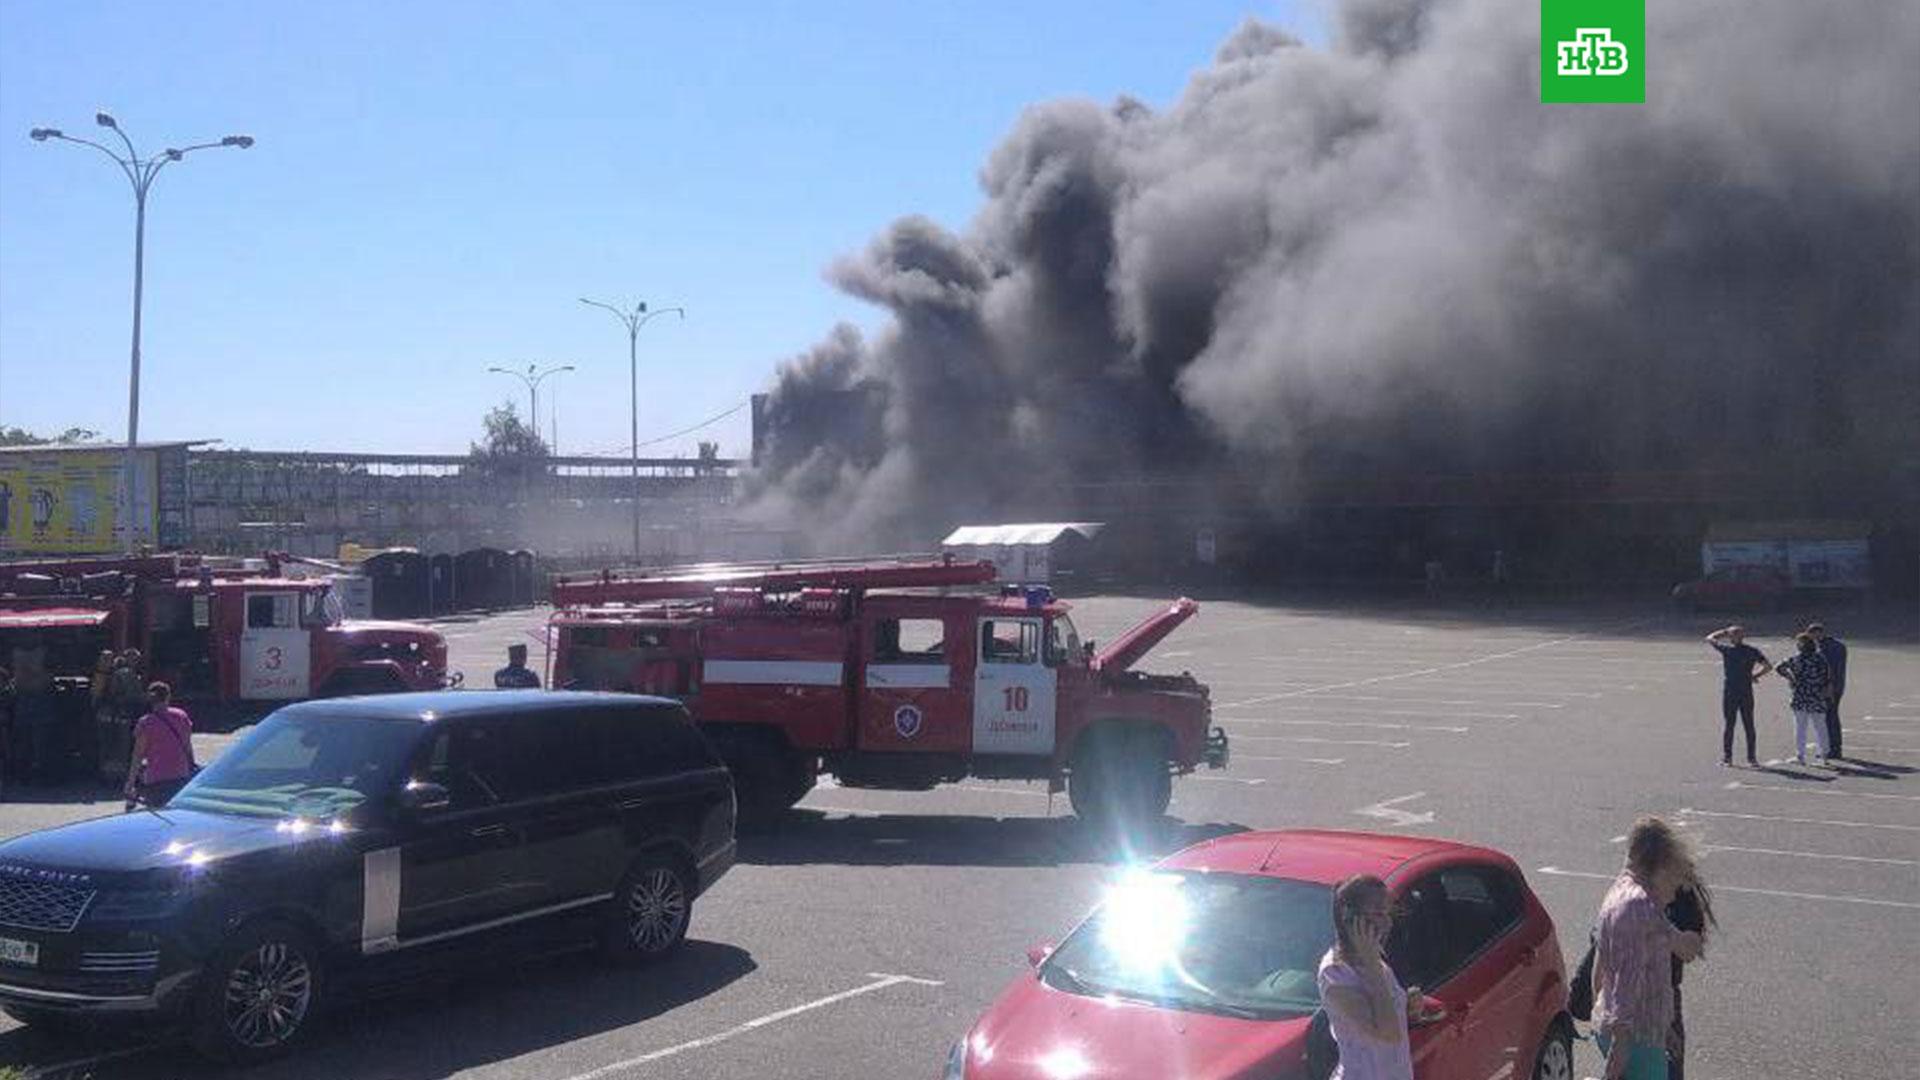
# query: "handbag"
1580,989
1323,1053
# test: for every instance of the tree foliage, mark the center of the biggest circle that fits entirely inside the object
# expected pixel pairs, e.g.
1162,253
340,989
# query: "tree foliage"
510,448
14,436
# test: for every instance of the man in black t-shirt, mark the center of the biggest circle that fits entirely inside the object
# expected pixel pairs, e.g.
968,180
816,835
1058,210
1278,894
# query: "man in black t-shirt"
1744,666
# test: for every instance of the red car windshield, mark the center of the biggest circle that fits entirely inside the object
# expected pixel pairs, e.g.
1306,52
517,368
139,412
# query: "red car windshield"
1223,943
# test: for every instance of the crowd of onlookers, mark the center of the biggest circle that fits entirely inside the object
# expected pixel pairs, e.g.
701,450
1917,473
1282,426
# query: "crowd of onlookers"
37,738
1653,920
1816,679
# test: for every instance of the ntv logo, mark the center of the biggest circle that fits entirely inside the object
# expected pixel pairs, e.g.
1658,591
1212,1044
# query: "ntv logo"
1592,52
1580,39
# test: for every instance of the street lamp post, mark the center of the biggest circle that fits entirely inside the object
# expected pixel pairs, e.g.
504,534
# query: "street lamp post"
633,319
140,173
533,376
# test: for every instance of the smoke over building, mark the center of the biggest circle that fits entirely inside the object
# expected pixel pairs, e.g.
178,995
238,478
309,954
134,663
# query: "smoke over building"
1385,258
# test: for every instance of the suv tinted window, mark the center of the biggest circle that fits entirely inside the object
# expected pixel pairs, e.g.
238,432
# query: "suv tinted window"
570,749
473,760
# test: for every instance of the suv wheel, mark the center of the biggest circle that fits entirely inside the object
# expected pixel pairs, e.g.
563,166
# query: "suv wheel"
260,997
1556,1055
648,917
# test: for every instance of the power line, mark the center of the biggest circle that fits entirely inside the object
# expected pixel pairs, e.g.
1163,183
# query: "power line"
710,421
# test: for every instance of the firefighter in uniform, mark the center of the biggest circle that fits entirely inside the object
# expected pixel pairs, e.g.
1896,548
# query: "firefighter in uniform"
516,675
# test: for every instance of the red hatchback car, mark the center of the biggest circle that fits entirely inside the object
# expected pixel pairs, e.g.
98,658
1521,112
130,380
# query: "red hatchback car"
1205,967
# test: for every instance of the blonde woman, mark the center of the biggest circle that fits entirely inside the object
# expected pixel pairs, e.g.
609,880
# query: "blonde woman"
1633,954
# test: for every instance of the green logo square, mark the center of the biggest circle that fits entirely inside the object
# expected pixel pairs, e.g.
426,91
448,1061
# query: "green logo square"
1593,51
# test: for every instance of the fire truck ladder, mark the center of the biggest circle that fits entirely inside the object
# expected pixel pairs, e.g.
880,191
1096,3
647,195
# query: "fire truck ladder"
700,580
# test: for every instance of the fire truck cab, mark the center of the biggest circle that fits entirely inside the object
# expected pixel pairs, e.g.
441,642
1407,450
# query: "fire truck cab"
230,637
885,676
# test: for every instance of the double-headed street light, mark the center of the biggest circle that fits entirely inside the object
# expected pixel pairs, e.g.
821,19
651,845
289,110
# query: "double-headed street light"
140,173
532,377
634,318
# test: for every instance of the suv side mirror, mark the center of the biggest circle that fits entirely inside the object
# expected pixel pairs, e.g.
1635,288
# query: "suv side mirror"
423,796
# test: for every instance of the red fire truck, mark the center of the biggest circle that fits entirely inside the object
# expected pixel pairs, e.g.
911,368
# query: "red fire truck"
233,637
898,674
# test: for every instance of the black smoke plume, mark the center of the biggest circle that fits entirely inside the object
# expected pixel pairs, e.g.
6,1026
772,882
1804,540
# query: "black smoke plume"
1384,257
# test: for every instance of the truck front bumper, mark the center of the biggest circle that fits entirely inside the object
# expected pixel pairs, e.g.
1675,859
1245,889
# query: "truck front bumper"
1217,752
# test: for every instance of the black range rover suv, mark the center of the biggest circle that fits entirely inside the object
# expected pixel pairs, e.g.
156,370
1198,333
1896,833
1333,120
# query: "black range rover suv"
347,842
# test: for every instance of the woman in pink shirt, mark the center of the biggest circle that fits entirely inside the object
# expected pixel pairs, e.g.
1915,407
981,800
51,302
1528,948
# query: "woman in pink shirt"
1633,954
162,758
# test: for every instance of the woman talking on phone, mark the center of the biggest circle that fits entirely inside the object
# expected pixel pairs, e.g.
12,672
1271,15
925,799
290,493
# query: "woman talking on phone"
1366,1006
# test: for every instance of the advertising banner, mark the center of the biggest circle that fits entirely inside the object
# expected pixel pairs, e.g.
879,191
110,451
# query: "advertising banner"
68,502
1806,564
1734,555
1831,564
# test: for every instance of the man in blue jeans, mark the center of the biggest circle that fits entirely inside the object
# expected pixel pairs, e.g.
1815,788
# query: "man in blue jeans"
1834,651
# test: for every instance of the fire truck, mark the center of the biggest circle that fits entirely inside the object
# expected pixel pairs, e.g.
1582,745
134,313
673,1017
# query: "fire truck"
897,674
233,637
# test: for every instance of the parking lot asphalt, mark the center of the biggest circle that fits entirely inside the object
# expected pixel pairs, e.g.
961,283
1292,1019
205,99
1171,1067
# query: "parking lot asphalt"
866,936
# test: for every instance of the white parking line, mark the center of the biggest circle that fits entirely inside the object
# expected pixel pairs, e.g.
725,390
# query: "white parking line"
1368,711
63,1067
1388,810
1302,760
1719,888
1690,811
1741,785
1437,669
1317,739
1443,701
1352,723
1521,686
1882,731
880,982
1577,661
1250,780
1455,686
1807,855
1878,749
1362,710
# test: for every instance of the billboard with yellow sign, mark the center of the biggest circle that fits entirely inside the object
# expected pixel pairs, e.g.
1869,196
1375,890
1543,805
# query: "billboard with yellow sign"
68,501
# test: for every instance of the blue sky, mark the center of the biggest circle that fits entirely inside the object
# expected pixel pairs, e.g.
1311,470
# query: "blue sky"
435,183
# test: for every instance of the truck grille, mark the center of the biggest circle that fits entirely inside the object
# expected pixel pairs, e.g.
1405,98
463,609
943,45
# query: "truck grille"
120,963
39,905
